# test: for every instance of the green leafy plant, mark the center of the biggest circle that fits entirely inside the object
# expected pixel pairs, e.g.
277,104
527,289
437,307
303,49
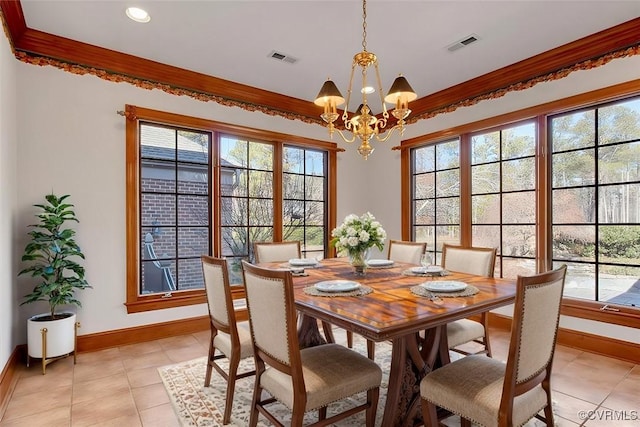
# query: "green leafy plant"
51,254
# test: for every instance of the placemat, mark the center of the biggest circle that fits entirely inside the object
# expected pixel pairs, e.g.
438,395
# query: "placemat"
362,290
467,292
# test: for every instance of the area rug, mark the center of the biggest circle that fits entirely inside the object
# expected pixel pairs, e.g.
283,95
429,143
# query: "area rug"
197,405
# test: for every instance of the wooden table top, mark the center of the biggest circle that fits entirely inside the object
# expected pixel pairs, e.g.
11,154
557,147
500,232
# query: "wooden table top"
392,310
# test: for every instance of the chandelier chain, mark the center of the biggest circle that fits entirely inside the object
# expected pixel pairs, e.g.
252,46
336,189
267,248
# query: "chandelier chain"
364,25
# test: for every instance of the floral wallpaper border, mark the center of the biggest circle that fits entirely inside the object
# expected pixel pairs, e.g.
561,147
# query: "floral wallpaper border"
207,97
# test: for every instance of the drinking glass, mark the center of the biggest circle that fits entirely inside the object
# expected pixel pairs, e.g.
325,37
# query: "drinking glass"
425,260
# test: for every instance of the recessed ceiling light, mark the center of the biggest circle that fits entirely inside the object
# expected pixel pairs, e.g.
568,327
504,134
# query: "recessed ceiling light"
137,14
367,90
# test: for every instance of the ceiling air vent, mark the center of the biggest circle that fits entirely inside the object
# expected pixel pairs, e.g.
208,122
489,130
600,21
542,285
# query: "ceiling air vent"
462,43
283,57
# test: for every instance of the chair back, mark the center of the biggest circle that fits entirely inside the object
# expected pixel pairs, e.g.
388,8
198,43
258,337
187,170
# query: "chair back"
472,260
219,299
272,316
534,330
403,251
275,251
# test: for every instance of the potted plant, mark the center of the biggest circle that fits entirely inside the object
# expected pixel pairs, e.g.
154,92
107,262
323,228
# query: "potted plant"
51,255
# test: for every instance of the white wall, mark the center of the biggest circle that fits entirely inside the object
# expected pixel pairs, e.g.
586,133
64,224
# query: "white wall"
72,141
8,194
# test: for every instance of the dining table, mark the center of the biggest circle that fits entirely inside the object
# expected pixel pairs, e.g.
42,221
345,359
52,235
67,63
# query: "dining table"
405,304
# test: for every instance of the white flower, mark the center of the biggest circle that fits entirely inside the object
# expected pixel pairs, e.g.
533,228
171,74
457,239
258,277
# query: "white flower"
357,234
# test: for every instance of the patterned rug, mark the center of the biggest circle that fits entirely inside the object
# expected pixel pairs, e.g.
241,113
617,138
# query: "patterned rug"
197,405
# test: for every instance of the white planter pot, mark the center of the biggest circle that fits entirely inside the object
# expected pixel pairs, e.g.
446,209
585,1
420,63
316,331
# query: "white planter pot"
61,334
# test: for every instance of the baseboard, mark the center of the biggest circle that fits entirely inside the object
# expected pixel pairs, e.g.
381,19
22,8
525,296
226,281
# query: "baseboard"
610,347
9,376
115,338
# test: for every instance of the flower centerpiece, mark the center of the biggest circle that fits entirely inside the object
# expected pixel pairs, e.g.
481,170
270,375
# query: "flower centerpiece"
355,236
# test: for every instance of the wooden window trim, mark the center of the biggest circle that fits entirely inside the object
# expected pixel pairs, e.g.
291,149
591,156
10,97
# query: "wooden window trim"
136,303
591,310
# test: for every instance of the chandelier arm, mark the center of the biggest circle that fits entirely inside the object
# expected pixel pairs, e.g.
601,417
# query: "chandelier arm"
387,134
345,114
384,106
344,138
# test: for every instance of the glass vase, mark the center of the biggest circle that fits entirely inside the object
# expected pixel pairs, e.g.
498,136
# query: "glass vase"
359,261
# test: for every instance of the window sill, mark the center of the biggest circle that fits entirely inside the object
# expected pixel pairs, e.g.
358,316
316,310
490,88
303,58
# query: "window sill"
159,302
602,312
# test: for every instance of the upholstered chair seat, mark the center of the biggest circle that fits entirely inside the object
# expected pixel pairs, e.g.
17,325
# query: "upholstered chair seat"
463,331
492,393
222,342
307,379
481,393
331,372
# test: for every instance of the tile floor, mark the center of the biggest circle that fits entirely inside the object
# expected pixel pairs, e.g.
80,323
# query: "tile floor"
121,387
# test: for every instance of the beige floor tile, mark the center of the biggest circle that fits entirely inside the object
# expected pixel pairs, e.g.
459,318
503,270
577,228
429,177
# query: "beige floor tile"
48,398
625,396
157,358
203,337
134,350
124,421
143,377
122,388
159,416
569,408
99,356
101,411
56,417
100,369
603,417
30,382
182,354
100,388
171,343
150,396
590,377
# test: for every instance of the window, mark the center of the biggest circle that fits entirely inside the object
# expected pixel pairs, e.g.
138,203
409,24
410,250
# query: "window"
436,194
596,201
503,198
553,184
174,207
305,204
199,187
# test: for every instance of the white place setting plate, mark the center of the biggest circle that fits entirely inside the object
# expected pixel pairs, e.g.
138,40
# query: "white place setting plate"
337,286
430,269
379,262
303,262
444,286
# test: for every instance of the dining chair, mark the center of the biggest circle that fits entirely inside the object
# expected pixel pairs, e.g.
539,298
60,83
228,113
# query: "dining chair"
490,392
472,260
276,251
233,342
404,251
282,252
303,380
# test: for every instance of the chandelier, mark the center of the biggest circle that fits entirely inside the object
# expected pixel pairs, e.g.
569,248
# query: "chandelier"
363,124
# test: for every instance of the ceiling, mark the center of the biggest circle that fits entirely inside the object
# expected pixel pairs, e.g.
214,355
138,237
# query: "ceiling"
233,40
